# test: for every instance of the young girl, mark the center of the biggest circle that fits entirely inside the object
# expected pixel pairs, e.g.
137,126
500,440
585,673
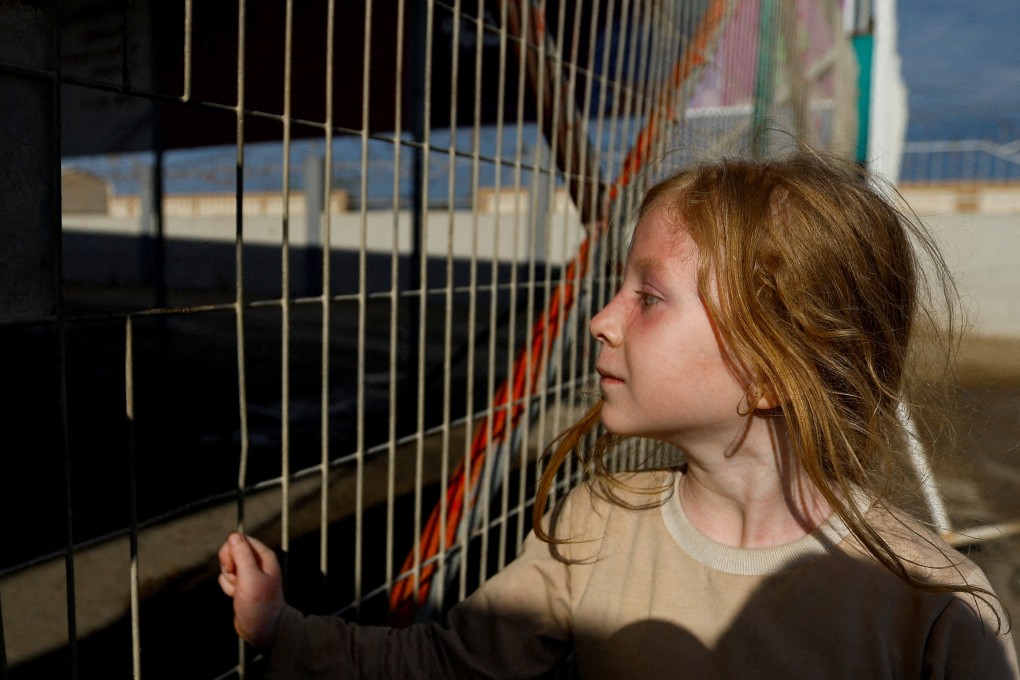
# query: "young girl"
764,327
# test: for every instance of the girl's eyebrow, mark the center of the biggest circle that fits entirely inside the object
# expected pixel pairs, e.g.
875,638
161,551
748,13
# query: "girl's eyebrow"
647,265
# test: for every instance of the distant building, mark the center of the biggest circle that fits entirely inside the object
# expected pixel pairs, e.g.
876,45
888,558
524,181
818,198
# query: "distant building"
84,193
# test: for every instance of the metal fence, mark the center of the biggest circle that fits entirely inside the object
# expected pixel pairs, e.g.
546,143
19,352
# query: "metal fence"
969,160
321,271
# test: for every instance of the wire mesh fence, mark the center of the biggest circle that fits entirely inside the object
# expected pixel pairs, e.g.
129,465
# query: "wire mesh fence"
322,271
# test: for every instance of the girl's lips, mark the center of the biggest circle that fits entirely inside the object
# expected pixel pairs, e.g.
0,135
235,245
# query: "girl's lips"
606,378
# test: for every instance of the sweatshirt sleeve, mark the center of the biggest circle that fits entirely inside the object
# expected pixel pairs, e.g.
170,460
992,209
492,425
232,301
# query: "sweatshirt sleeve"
971,639
518,624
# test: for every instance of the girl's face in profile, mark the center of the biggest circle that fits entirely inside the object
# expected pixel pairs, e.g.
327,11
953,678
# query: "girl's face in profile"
663,371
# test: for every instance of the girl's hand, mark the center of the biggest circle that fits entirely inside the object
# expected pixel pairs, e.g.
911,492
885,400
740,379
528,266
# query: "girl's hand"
250,574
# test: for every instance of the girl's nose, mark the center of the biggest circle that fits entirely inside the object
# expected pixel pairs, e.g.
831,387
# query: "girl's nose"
604,328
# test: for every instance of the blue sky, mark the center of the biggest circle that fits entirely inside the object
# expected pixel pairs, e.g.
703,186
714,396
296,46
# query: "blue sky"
961,63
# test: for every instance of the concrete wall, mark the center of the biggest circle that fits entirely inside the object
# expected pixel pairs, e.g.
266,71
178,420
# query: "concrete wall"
984,253
978,227
504,236
990,198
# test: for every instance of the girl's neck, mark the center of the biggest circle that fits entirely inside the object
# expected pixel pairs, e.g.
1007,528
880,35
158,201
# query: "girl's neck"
757,496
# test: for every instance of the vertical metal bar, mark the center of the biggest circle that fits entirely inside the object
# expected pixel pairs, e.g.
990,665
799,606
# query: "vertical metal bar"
569,334
645,81
547,177
54,210
594,281
630,102
565,77
522,36
615,72
423,292
445,555
417,115
654,83
497,189
605,147
609,87
607,281
72,614
661,95
922,469
391,448
469,415
565,380
239,301
327,250
285,303
618,134
188,26
636,65
359,512
512,20
129,408
488,422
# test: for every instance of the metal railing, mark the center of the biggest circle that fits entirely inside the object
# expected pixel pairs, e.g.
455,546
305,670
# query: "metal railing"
971,160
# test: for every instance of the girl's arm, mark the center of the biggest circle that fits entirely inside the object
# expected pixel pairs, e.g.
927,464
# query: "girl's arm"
516,625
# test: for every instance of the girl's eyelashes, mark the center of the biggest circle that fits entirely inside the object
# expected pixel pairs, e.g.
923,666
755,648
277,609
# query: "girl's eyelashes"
647,299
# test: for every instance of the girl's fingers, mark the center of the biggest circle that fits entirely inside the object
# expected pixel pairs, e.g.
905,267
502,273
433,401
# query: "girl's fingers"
228,584
226,557
265,556
243,555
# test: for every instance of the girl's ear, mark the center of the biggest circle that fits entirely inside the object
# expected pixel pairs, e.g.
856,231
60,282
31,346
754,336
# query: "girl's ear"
762,396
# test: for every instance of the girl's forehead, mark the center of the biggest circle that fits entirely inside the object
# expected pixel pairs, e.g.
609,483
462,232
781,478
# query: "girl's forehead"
660,233
660,248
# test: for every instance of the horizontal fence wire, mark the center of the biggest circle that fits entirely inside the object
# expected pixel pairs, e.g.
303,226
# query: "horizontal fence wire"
325,275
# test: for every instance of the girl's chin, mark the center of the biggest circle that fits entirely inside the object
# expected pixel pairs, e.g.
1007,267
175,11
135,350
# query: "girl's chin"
617,426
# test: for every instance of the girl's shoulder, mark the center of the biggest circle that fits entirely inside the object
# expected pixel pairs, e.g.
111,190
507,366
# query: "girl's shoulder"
633,490
924,551
586,511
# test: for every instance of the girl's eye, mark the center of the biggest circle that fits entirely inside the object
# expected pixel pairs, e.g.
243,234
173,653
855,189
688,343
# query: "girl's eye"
649,300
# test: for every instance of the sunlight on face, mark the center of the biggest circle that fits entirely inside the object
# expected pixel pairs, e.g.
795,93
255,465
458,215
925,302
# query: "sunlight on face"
663,371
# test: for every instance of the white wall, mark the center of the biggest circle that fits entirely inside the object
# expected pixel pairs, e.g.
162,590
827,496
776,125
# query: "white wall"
983,251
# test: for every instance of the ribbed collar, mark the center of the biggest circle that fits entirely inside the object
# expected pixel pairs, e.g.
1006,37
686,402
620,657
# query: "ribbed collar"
748,561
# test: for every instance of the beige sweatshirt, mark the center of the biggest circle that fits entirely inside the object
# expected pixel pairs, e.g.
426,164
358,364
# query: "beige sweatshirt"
640,593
